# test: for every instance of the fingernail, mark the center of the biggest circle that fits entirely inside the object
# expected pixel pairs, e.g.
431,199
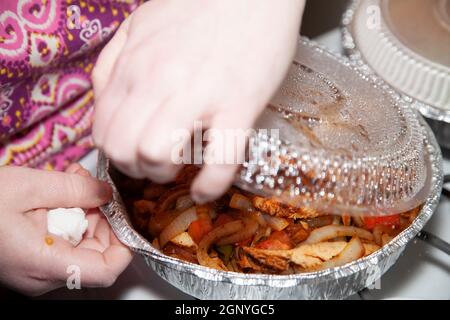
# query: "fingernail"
201,198
158,174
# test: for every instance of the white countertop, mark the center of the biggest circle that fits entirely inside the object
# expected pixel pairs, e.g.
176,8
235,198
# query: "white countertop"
422,272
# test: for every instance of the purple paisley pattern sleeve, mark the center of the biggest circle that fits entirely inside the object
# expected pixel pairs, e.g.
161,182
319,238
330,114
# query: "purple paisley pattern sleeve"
48,49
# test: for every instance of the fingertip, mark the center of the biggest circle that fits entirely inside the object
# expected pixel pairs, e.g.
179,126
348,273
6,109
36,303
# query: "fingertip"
127,252
83,172
152,154
130,171
198,197
202,195
117,259
158,173
212,182
73,168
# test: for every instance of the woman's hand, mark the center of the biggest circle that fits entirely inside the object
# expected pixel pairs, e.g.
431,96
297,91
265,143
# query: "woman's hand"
34,262
174,62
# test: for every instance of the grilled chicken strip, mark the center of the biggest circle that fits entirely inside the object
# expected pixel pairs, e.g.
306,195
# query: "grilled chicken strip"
307,256
276,208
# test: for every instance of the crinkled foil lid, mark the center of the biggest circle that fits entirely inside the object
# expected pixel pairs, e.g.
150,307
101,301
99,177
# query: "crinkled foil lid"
335,141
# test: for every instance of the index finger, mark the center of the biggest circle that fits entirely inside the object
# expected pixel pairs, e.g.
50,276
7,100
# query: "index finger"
26,189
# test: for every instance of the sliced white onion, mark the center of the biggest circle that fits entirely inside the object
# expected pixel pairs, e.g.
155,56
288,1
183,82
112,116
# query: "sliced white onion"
308,256
240,202
177,226
276,223
336,220
346,220
370,248
352,251
385,238
332,231
378,232
311,257
184,240
357,220
167,200
247,231
258,217
184,202
323,251
202,253
259,234
155,244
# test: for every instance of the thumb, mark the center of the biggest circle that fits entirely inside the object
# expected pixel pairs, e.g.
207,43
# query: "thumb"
30,189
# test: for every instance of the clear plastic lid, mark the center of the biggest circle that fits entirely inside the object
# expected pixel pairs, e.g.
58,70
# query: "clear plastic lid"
333,141
407,43
421,25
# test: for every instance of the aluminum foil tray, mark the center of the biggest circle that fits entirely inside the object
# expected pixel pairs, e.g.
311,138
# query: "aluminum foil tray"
336,283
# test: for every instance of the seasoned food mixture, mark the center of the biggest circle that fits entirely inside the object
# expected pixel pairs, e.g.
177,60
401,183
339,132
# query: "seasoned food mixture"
242,232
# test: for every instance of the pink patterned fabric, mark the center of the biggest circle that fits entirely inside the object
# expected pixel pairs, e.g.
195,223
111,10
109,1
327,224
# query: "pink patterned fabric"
48,49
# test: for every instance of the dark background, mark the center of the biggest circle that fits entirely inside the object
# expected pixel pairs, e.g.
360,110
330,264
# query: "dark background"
321,16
